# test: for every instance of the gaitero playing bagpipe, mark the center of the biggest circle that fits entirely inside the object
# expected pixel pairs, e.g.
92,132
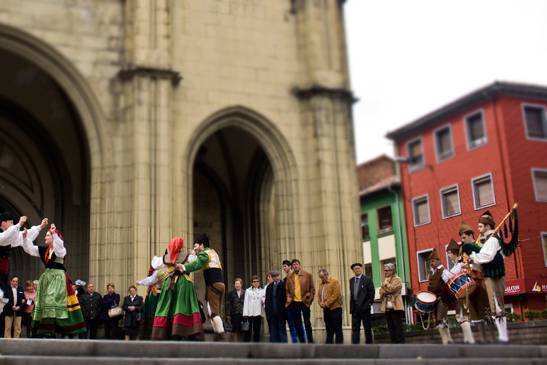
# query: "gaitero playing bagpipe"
494,243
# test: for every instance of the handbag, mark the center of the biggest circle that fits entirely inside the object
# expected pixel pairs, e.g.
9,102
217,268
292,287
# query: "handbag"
115,312
245,326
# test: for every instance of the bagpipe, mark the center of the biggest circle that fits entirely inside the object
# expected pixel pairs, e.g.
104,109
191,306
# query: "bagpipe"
507,232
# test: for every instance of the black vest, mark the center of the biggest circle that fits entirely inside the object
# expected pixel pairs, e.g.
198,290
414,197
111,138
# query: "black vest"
53,262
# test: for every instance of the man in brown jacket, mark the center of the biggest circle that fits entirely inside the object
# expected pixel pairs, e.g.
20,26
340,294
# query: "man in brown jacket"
330,299
300,292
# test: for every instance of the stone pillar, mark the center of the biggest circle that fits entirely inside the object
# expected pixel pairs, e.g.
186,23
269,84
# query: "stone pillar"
326,102
145,134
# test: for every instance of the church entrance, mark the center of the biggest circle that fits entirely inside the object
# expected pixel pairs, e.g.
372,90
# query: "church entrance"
234,203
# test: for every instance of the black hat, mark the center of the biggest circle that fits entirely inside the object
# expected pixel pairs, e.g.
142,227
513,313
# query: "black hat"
202,239
6,216
356,264
487,218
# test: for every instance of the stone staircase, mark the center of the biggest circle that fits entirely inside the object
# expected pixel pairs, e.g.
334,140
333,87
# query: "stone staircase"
41,352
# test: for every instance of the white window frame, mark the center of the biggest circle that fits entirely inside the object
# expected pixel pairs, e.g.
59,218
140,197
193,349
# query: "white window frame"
523,111
441,191
532,170
453,149
418,253
412,168
489,174
414,211
541,235
466,129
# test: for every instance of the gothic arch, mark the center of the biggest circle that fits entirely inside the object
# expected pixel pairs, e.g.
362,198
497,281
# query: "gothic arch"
279,154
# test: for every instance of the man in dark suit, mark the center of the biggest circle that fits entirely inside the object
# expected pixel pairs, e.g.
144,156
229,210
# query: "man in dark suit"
13,311
276,312
362,296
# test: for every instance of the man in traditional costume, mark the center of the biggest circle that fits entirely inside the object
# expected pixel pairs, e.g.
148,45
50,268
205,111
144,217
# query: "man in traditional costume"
177,312
208,260
462,306
444,297
493,266
10,237
477,302
56,306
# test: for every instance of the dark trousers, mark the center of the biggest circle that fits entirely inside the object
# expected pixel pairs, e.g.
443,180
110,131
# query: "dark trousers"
360,315
395,325
91,325
297,312
278,330
254,329
112,329
333,325
292,330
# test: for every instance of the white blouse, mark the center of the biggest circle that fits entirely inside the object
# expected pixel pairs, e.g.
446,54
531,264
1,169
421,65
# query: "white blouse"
9,236
58,247
253,305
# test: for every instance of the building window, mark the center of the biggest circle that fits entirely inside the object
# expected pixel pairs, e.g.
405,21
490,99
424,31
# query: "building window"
483,191
536,123
415,155
383,263
385,221
423,264
476,133
544,246
539,180
368,270
443,143
420,209
450,201
365,234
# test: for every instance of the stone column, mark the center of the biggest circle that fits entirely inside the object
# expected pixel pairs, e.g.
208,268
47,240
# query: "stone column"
326,102
148,80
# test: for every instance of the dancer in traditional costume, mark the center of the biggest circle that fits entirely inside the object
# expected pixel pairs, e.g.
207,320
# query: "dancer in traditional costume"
177,312
10,237
445,298
152,296
491,258
208,260
56,308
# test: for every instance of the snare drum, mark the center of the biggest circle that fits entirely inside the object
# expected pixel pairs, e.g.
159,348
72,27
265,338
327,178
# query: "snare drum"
461,285
425,301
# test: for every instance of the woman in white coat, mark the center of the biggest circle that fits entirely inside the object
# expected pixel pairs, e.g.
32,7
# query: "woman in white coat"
253,309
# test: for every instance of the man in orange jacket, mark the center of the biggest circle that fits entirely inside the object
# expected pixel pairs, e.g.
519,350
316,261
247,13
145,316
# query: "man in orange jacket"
330,299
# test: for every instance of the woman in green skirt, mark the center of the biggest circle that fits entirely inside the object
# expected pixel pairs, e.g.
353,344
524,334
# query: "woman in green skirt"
56,309
177,313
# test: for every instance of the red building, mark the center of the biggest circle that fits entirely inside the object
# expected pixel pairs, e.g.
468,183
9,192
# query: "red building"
483,151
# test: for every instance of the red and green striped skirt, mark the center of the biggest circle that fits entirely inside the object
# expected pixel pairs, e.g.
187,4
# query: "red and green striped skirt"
57,309
177,312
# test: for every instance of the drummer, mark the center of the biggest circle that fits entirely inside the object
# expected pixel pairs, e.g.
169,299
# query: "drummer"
438,287
462,309
479,308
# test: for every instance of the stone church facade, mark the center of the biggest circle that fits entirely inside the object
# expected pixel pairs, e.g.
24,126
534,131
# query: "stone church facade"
130,122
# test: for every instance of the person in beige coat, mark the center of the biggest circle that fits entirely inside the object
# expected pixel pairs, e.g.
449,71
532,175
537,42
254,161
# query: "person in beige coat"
392,304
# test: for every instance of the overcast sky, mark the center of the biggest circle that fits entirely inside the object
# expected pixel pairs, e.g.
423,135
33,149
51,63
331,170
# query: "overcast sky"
410,57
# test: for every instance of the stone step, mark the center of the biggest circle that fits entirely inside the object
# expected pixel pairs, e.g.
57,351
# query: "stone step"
62,360
150,350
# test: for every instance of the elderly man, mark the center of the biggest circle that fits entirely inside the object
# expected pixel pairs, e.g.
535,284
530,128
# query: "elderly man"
276,312
91,303
330,299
